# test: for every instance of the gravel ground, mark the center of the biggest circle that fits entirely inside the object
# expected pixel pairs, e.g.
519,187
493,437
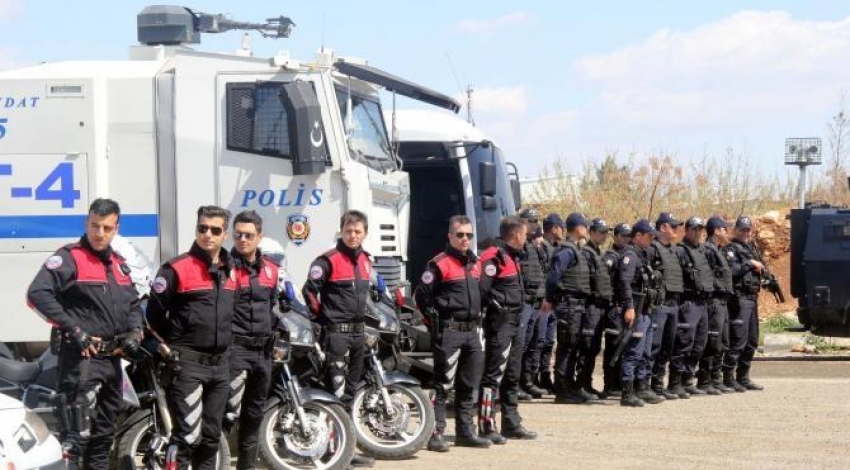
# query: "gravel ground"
801,420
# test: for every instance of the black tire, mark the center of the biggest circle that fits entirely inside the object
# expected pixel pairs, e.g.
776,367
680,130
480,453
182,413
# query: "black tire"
133,443
392,449
269,440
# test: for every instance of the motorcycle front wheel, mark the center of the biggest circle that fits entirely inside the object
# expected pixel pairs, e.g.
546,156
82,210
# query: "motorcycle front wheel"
325,441
134,449
399,433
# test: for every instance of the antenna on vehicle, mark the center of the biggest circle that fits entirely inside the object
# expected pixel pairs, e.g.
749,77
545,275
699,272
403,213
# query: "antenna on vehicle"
469,90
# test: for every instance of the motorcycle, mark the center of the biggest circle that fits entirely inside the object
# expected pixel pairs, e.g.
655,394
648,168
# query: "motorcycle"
143,432
392,415
303,427
33,383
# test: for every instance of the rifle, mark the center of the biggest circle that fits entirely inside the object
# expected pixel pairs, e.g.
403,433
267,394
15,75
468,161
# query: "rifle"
771,284
627,333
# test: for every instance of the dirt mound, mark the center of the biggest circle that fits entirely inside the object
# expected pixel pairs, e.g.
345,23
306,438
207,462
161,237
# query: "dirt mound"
772,233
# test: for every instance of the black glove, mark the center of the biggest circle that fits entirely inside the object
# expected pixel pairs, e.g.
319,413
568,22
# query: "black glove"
79,338
284,304
130,342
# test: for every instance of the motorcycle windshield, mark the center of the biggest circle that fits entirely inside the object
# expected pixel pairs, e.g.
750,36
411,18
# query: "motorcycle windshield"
300,328
381,316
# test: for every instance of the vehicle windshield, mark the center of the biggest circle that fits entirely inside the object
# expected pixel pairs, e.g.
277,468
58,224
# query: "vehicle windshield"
367,135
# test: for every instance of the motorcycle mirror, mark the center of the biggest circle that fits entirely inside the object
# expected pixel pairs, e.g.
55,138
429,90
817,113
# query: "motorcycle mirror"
399,298
382,286
290,291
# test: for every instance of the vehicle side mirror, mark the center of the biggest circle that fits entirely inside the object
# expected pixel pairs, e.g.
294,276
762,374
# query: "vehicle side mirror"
516,190
487,179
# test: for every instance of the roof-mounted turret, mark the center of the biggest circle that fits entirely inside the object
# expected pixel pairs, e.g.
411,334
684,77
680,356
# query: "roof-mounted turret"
174,25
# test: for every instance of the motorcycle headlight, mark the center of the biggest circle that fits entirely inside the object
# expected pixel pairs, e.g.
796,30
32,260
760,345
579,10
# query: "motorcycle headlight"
371,337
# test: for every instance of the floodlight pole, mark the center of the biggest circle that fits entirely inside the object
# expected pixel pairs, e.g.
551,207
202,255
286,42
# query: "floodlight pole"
802,186
802,152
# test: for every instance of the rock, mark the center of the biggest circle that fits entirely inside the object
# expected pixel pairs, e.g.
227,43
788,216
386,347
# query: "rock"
766,235
798,348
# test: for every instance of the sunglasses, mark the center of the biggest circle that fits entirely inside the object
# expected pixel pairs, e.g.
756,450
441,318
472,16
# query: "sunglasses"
462,235
204,228
244,236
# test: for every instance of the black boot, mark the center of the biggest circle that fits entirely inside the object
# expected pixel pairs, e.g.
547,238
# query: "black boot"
729,381
629,398
566,393
487,417
675,386
717,382
471,441
688,384
704,382
545,382
646,394
658,387
521,395
437,443
247,459
529,387
519,433
744,379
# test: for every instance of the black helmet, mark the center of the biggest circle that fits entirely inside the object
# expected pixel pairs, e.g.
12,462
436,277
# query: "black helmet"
530,214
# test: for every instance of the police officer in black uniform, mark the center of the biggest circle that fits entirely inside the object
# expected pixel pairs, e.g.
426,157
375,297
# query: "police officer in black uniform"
600,302
747,267
665,317
191,312
637,289
710,373
534,283
693,316
612,322
253,322
503,296
553,235
568,289
85,291
449,295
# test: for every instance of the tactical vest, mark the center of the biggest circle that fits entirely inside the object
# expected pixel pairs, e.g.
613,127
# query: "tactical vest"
600,279
698,275
722,271
532,271
671,270
575,280
750,282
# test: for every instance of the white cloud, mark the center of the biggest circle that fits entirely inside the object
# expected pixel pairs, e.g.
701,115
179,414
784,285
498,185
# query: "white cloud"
10,9
493,25
750,67
498,101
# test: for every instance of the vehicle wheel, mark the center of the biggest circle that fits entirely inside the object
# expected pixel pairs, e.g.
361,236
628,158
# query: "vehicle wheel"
134,445
283,445
398,435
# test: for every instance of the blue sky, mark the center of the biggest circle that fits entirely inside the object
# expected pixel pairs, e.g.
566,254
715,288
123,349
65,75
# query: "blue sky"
569,80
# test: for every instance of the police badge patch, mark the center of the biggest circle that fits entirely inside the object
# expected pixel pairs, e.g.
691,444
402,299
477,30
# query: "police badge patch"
298,228
159,285
490,270
53,262
626,260
316,272
427,277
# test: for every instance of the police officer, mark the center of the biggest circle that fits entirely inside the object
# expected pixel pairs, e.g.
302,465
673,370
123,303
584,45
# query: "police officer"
253,322
85,291
534,282
747,267
449,294
692,335
503,296
637,290
336,292
568,289
598,305
612,322
553,235
191,312
665,317
710,374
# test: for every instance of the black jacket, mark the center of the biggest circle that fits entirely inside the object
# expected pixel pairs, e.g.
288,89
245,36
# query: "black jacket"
450,285
338,285
258,292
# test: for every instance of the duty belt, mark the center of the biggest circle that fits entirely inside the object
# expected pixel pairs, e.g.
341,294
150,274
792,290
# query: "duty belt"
346,327
185,354
106,347
252,342
602,303
570,299
672,297
460,325
697,297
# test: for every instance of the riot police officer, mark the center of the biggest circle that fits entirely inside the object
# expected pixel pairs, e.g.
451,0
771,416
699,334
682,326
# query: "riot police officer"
747,267
568,289
503,296
612,322
709,376
85,291
191,312
663,258
600,302
553,235
692,334
534,282
637,289
448,293
253,322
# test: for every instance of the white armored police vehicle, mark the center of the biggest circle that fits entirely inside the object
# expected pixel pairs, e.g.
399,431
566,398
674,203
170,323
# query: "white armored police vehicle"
173,128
